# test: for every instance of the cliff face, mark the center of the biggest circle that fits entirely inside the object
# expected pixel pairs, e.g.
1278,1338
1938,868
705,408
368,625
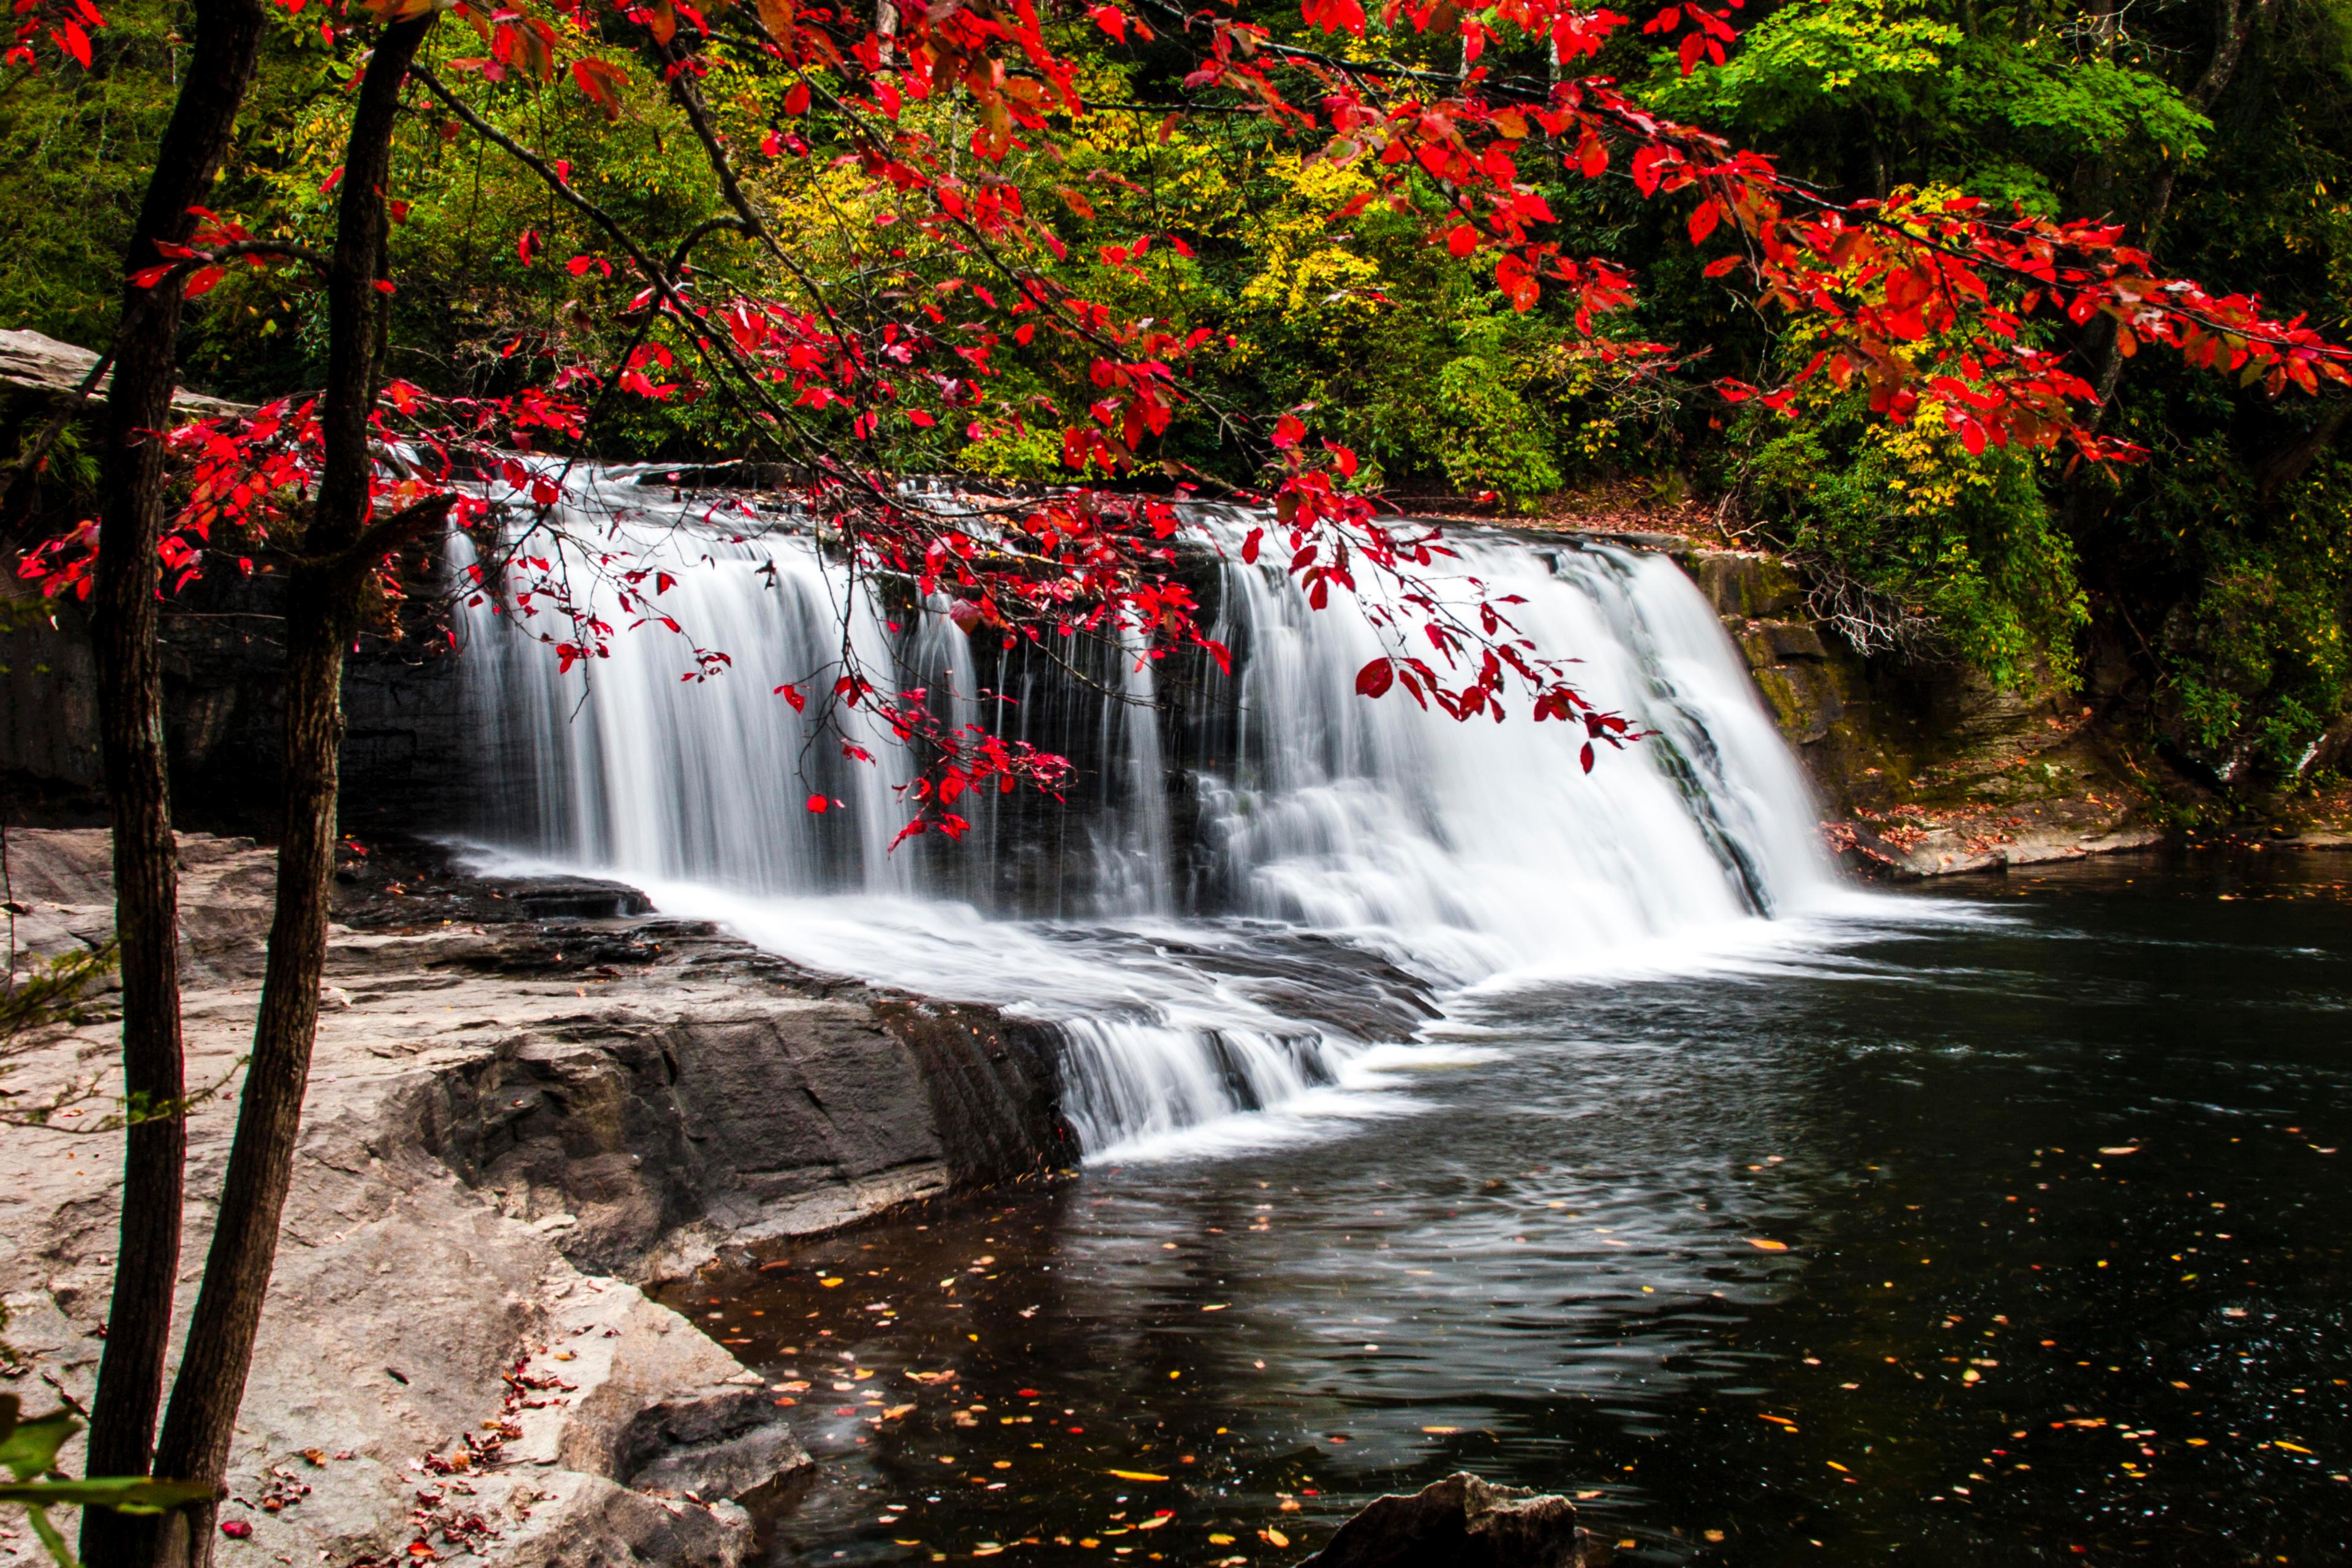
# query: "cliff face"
527,1097
1924,770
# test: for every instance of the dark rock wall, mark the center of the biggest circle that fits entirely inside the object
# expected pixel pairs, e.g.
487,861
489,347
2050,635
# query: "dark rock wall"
405,754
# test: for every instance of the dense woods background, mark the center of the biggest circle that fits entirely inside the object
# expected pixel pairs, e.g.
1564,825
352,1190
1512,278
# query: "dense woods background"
2204,590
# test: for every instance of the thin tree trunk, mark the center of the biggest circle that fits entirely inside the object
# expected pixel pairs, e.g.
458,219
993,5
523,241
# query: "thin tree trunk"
2232,26
322,604
131,740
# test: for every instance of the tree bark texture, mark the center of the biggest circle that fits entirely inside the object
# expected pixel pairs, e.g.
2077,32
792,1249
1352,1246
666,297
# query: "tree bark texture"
130,736
322,612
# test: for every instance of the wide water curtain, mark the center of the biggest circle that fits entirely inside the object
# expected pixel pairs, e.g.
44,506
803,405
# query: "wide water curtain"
1213,812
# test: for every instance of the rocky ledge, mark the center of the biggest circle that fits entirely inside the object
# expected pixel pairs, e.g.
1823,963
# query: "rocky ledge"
528,1097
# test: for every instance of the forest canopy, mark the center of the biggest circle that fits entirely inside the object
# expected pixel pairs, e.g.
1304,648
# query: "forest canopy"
2213,132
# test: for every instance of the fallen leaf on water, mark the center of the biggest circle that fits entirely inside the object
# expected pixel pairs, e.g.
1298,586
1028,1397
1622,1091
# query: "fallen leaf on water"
829,1284
986,1549
895,1411
1441,1430
2128,1148
1276,1536
1761,1245
1135,1475
1221,1541
1151,1523
1215,1307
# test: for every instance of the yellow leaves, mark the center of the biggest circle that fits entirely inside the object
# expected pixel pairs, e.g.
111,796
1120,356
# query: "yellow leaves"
1276,1537
1135,1475
1441,1431
1221,1541
1761,1245
1153,1523
829,1284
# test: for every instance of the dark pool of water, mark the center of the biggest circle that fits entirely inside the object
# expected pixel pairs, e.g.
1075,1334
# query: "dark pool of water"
1825,1258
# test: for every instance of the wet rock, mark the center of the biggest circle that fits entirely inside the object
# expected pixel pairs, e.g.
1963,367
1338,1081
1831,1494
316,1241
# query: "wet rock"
1462,1522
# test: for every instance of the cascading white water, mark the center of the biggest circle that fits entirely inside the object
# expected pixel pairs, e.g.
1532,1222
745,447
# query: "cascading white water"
1176,920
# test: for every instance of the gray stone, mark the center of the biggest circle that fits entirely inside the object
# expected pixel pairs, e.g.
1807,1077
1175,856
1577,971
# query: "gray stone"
502,1130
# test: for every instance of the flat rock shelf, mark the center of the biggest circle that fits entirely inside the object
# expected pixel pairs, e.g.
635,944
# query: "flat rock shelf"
529,1098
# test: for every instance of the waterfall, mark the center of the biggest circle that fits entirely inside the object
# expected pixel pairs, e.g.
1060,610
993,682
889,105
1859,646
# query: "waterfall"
1262,880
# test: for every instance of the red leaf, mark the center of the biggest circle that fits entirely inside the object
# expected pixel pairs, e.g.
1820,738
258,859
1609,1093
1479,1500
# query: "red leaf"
1463,240
796,102
1703,219
817,802
1250,546
1585,756
1288,430
1376,678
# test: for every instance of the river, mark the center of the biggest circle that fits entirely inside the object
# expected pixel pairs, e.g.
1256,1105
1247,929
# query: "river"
2002,1223
1446,1105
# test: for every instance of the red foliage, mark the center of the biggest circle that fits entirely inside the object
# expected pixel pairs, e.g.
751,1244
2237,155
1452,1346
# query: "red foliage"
1933,304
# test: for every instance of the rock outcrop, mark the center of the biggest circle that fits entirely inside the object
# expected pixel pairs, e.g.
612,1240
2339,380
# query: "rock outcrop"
509,1122
1930,769
1462,1522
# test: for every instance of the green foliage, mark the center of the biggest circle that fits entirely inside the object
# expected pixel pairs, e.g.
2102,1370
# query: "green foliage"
1967,542
54,991
2005,105
28,1449
2230,592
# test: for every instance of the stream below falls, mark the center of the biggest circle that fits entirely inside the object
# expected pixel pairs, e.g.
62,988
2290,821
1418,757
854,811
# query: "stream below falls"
1825,1254
1446,1105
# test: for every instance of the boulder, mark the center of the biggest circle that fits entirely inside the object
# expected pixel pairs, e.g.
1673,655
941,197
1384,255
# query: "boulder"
1462,1522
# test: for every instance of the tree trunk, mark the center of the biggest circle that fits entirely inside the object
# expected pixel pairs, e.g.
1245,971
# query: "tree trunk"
131,740
2232,26
322,605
